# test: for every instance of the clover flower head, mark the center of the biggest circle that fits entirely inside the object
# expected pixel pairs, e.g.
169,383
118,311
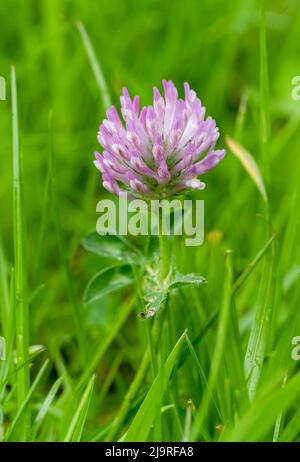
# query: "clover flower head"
160,150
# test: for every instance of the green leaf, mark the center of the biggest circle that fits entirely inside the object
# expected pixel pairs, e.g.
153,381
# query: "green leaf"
157,293
180,280
107,281
115,247
154,302
150,408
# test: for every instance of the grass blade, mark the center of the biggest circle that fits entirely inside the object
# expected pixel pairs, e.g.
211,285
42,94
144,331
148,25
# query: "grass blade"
292,429
45,407
264,316
201,373
249,163
4,291
280,417
95,65
216,362
248,270
14,427
187,422
77,423
264,92
261,416
44,217
130,396
259,333
142,422
21,306
110,377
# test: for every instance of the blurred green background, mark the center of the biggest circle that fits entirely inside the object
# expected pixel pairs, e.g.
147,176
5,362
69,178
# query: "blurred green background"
212,44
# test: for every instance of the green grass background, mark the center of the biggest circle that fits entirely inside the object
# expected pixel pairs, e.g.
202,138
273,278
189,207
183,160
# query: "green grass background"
94,351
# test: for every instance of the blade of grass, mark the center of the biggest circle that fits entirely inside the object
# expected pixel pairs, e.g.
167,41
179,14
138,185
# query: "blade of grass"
14,427
260,327
4,291
291,430
248,270
187,422
261,416
143,420
291,226
21,306
201,373
264,316
264,92
104,93
249,163
95,65
280,417
216,362
75,429
44,217
154,369
61,367
134,387
129,397
101,434
237,395
210,322
45,407
9,339
110,377
20,366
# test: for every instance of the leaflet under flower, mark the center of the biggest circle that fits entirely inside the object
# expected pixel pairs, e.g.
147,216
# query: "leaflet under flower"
161,150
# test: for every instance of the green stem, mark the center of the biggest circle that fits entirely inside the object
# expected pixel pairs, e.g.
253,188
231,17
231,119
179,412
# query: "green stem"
154,364
164,249
153,356
150,354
